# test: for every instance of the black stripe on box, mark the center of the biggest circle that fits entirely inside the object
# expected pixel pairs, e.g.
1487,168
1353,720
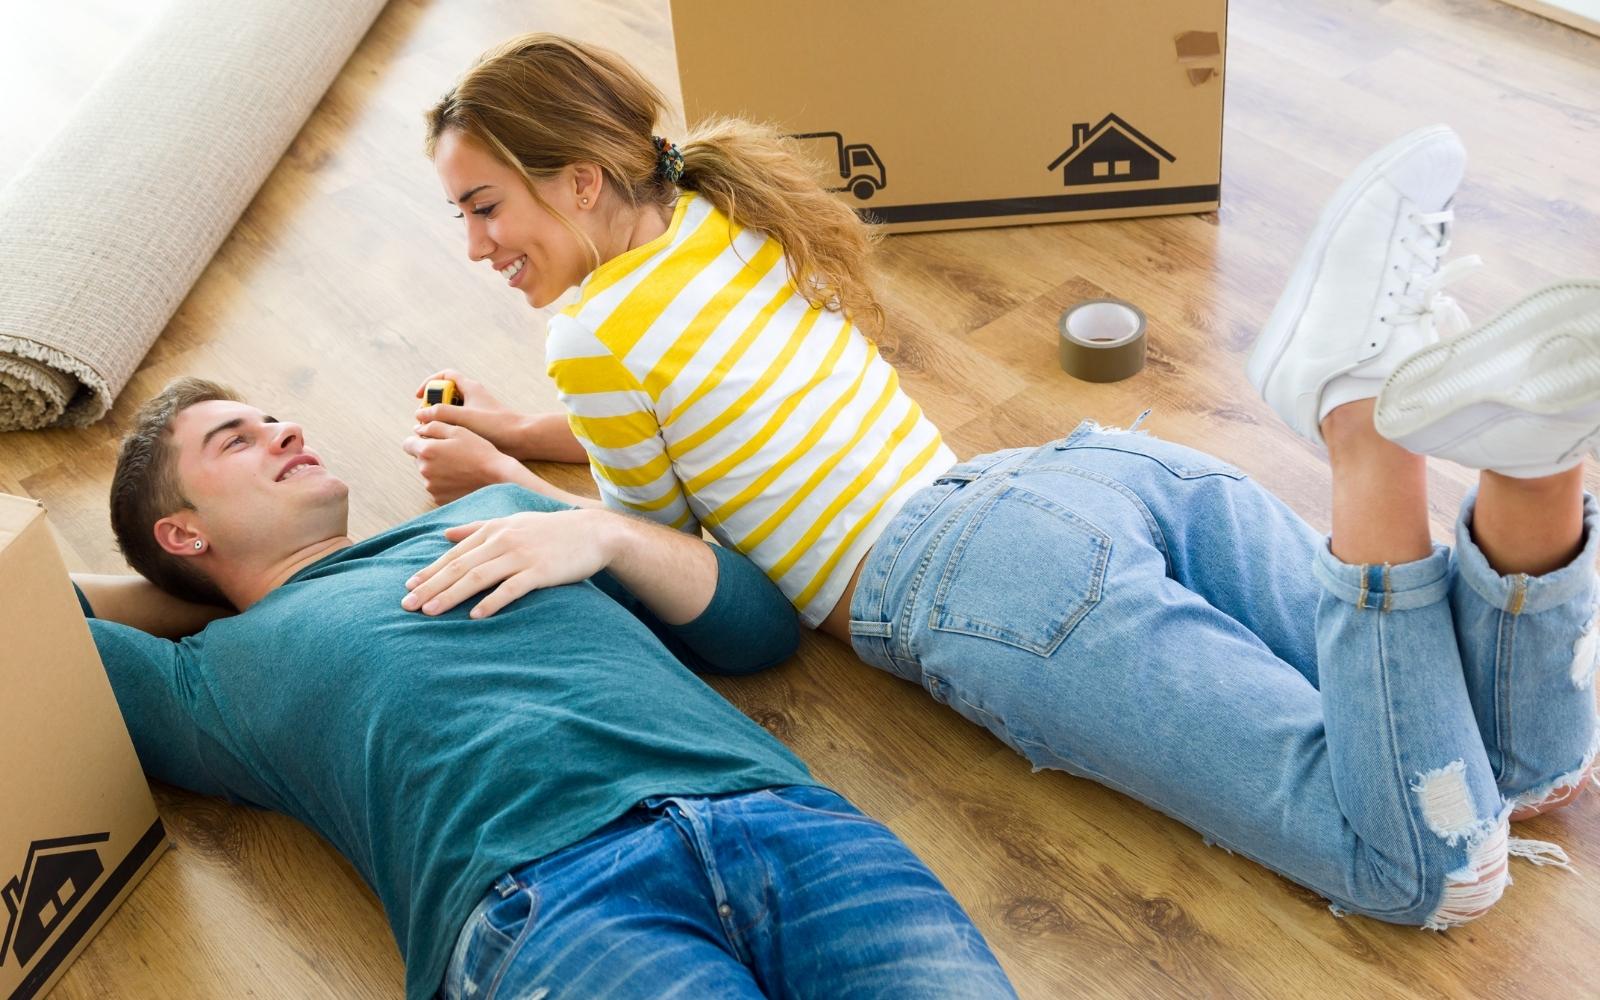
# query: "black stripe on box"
1043,205
91,912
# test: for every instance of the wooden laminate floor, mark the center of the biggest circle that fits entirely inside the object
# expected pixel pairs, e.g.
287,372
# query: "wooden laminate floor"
346,281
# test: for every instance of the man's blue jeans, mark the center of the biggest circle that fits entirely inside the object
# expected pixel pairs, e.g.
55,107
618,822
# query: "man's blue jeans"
785,892
1144,615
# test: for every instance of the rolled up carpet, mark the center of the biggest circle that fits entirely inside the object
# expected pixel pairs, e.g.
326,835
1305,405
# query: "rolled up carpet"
106,229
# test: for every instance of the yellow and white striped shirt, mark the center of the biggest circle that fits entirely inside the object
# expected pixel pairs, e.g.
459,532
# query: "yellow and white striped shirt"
709,393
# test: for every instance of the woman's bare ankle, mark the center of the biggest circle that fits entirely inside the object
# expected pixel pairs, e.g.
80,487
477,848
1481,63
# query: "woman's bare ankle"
1380,491
1561,484
1531,526
1349,424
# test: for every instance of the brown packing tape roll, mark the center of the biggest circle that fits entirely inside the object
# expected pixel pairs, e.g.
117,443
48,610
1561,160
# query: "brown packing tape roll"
1102,340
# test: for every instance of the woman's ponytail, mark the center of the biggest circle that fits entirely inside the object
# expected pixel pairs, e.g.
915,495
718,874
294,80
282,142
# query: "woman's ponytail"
754,176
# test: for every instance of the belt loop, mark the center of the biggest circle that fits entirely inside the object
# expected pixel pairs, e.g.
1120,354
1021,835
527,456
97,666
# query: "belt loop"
877,630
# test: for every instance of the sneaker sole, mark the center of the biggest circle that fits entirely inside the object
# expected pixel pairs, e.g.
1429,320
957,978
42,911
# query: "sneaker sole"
1273,341
1504,362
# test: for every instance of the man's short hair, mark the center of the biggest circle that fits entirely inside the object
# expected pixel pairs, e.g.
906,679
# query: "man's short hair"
145,489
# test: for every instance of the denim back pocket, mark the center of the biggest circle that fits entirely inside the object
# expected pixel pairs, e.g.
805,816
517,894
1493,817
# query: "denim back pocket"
1024,571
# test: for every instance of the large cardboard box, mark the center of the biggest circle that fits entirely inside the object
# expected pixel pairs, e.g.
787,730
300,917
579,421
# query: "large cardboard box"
946,114
77,825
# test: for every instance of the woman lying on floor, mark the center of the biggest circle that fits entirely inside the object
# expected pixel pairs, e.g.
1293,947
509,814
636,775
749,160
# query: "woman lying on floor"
1363,714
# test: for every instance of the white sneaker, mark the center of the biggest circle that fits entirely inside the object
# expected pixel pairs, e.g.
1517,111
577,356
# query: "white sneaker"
1520,395
1365,294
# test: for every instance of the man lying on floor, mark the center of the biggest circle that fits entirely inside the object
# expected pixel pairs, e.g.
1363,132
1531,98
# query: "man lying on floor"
546,801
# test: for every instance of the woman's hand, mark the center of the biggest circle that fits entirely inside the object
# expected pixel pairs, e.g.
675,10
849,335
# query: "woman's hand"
476,394
480,412
454,461
514,555
527,437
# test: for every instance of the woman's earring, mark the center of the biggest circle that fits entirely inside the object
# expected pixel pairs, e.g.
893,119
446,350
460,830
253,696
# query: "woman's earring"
584,202
198,545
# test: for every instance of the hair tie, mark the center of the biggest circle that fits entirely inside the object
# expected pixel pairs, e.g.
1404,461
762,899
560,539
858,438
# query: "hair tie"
669,162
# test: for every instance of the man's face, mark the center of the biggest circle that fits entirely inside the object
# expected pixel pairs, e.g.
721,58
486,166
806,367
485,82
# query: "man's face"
258,491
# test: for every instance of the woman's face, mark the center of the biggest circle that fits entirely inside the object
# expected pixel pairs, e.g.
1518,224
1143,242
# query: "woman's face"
527,245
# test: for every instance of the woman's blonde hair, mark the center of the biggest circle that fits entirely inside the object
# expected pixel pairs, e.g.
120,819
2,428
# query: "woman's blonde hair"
540,102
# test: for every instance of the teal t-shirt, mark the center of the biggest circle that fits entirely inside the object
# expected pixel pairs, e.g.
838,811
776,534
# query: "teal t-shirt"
438,753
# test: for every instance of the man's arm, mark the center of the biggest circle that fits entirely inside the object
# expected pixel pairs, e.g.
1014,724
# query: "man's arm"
712,606
674,575
150,681
137,603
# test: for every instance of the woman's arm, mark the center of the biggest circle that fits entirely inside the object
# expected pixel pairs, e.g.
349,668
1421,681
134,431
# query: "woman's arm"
138,603
527,437
548,437
454,461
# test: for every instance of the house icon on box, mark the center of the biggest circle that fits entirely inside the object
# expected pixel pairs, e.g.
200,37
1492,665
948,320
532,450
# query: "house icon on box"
55,877
1109,153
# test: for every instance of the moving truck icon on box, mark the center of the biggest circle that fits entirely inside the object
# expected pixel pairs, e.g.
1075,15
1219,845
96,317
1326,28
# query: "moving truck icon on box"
55,876
857,164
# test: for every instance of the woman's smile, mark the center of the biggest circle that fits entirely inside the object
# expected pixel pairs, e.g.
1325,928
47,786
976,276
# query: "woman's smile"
513,270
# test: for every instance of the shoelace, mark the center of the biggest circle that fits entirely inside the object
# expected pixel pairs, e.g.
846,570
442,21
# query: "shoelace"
1422,294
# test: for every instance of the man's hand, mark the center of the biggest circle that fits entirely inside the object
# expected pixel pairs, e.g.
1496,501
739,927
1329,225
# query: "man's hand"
515,555
672,573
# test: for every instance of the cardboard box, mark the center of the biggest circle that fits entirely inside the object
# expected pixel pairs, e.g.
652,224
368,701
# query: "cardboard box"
942,114
77,825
